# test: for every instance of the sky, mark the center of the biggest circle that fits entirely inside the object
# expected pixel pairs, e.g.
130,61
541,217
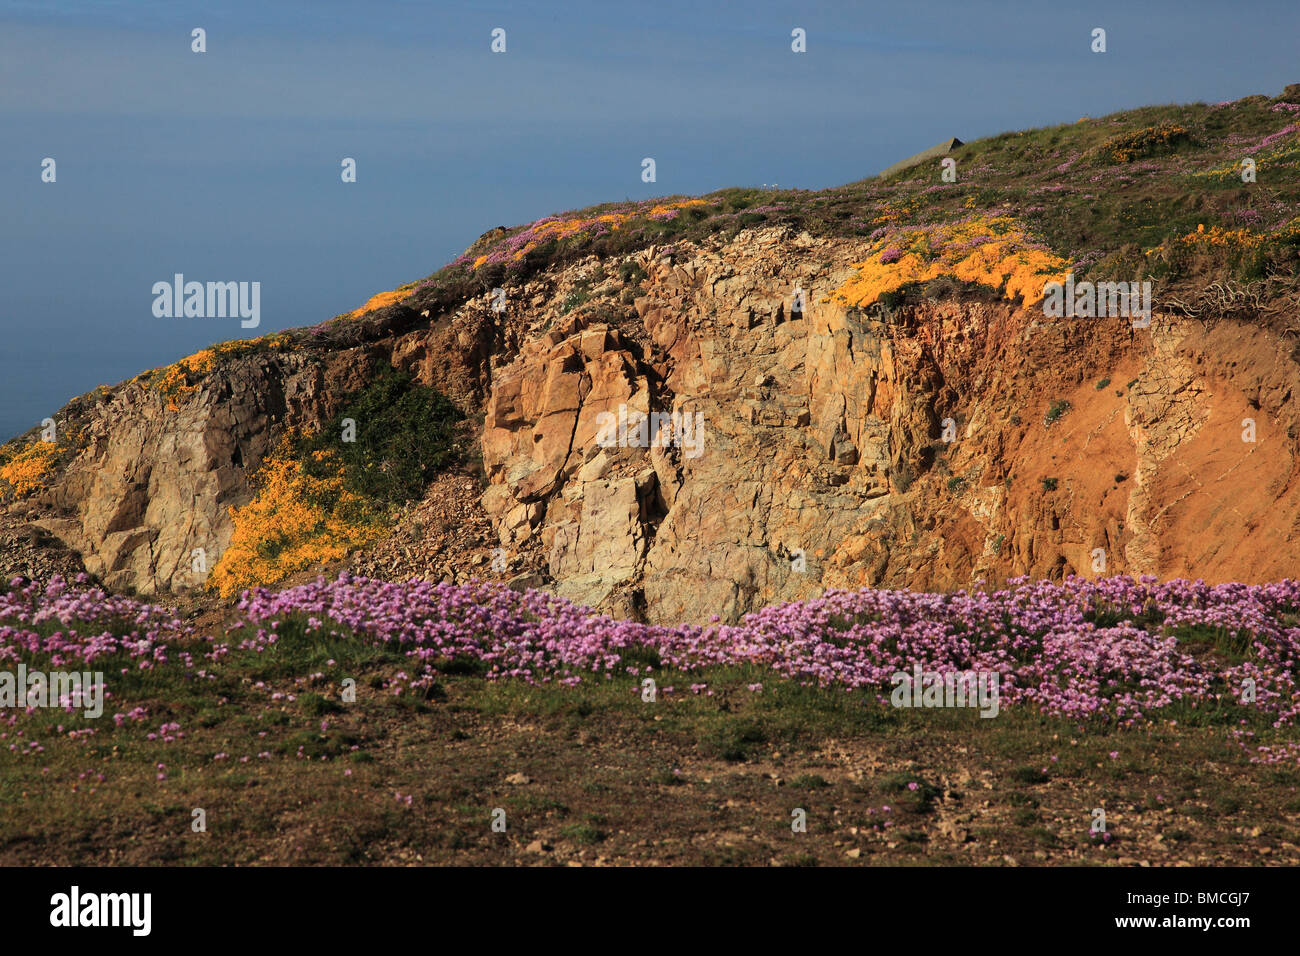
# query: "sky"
225,165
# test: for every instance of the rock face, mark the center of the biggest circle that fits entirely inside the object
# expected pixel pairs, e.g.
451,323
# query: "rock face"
688,444
822,458
155,485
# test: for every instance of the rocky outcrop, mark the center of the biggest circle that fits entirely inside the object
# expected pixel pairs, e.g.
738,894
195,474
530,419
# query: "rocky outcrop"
701,431
146,504
951,442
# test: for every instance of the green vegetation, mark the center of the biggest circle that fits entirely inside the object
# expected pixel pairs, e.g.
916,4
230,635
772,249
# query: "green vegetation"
1137,144
321,780
405,434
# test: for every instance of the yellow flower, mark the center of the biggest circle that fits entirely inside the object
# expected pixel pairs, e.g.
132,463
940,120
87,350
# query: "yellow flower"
993,251
28,471
295,521
383,299
174,380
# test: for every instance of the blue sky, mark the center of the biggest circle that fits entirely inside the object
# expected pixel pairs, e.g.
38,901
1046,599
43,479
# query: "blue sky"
225,165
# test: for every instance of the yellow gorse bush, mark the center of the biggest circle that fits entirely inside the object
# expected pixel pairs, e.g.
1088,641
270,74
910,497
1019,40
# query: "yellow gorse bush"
181,379
564,228
1217,238
28,471
993,251
1126,147
667,207
296,520
899,211
383,299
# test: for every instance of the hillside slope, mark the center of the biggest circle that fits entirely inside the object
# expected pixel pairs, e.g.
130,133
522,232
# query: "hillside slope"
880,398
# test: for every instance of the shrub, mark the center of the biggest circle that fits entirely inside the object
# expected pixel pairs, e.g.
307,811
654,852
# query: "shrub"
405,434
26,472
382,300
1056,410
992,251
1137,144
182,379
297,519
631,272
319,497
577,297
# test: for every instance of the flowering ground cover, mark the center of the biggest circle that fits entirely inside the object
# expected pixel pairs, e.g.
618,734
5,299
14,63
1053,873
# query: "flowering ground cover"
575,227
318,498
300,515
992,252
1114,650
29,468
1120,694
28,463
182,379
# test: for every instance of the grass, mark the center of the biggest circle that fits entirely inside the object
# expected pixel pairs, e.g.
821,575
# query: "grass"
607,777
1098,191
1232,647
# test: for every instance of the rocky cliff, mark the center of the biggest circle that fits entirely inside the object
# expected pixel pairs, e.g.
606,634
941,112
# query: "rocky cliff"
823,460
821,456
679,430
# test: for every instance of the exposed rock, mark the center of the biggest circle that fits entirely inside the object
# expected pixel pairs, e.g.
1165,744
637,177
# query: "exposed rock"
821,461
154,485
690,446
29,551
